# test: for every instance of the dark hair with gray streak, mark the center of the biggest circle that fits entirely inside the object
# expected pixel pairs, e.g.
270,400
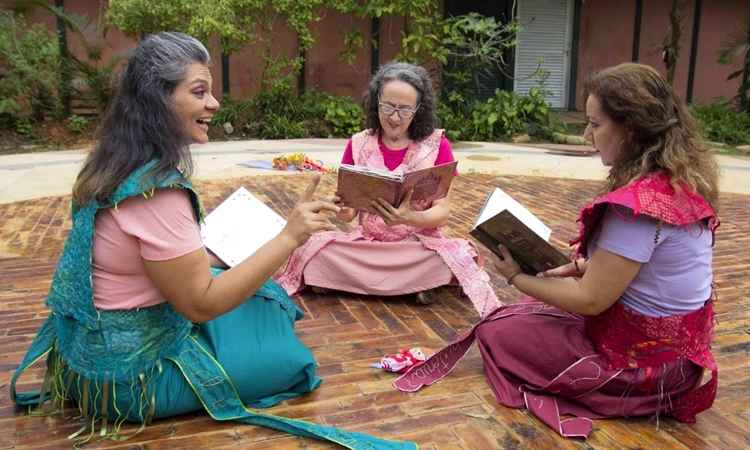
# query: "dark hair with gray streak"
140,124
424,121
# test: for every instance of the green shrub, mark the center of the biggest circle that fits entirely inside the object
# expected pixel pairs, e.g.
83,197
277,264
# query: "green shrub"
30,56
25,128
275,126
77,124
721,123
344,116
279,113
499,117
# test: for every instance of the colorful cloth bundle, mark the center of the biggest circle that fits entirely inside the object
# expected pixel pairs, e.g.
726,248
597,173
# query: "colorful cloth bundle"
298,161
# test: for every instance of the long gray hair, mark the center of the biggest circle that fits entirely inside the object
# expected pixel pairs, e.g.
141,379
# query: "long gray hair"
424,121
140,124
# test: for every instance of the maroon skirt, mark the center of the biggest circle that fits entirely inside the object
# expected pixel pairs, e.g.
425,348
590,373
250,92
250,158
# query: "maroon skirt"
540,358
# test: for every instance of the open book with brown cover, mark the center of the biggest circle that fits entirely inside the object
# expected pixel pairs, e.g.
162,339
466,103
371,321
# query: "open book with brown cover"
502,220
358,186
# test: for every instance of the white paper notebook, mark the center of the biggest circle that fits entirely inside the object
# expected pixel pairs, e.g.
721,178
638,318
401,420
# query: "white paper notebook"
239,226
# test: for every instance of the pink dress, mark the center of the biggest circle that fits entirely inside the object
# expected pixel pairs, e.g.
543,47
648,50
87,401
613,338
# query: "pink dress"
375,258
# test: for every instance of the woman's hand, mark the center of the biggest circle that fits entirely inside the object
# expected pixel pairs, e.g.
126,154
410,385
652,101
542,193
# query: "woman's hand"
346,214
309,216
392,215
574,268
507,266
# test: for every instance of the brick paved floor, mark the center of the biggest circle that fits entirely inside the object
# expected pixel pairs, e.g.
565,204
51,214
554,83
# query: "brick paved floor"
347,333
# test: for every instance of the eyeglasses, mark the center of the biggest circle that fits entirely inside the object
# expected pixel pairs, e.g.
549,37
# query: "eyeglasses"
403,112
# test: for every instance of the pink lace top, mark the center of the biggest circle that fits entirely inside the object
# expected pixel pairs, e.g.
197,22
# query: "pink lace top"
394,157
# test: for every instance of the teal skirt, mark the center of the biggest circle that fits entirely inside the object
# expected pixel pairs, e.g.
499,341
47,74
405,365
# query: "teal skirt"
257,347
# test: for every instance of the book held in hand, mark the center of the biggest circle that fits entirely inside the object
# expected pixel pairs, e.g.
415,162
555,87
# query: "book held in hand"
358,186
239,226
502,220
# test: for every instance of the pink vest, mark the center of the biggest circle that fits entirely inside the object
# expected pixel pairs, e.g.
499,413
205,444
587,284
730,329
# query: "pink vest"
419,155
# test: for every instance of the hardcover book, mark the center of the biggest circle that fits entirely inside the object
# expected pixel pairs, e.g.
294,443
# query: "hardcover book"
359,186
502,220
239,226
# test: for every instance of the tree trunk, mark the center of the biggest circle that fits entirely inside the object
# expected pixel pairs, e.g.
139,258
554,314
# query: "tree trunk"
745,83
671,51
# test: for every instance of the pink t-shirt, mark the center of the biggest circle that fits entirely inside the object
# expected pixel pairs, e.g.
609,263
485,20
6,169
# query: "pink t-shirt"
394,157
158,229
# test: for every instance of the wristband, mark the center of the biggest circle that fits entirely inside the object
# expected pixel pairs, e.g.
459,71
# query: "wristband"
509,281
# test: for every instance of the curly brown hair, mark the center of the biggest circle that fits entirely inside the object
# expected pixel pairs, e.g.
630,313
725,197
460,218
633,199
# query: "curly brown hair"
662,134
425,119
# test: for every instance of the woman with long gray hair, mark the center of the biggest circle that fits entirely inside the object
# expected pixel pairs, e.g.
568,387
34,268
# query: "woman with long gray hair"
141,325
394,250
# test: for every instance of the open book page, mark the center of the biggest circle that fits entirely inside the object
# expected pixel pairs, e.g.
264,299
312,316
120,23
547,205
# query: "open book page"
503,220
239,226
431,183
499,201
359,186
388,175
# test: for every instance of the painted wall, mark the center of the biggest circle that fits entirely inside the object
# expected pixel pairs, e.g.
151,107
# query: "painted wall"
606,38
324,70
720,20
246,65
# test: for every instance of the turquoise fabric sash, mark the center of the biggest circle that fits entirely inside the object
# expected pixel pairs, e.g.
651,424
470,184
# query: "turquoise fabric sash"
105,346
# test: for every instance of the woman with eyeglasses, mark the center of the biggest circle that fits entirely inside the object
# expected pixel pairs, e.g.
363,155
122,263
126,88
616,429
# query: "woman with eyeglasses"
394,250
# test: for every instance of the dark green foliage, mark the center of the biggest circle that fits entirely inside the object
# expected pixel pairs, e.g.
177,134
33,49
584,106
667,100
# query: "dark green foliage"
29,82
279,113
720,122
498,118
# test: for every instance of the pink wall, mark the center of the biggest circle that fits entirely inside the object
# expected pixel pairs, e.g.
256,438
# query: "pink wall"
246,65
607,39
721,19
324,69
654,26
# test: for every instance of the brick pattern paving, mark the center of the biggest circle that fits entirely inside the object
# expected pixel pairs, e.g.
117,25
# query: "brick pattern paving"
348,332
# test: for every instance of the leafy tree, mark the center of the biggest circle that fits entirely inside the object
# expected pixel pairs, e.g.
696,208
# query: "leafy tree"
87,75
420,40
237,23
671,46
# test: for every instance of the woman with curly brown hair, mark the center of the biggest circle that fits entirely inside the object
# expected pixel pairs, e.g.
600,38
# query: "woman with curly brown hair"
628,324
394,251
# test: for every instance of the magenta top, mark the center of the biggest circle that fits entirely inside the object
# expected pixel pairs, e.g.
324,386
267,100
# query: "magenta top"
675,276
160,228
394,157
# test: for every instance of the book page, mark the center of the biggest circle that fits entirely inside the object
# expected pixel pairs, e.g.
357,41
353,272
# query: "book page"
499,201
358,188
373,172
239,226
431,183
